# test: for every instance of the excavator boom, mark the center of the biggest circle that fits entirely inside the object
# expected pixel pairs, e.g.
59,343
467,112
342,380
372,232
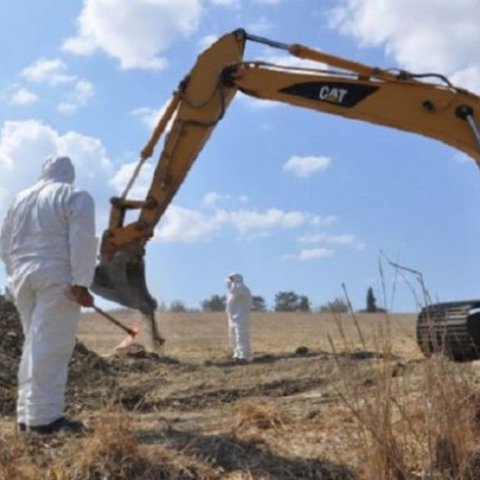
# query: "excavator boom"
426,104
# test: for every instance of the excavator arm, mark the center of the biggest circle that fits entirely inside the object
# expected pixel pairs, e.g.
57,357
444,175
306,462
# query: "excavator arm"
426,104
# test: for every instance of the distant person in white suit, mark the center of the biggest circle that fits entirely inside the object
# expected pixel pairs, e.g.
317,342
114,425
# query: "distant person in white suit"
239,305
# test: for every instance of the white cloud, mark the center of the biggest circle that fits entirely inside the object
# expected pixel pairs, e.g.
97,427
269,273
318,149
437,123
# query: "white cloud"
315,254
150,117
88,153
213,199
185,225
226,3
142,183
207,40
50,72
261,26
269,2
321,221
3,196
54,73
22,96
247,220
84,88
463,158
431,35
25,144
254,103
311,254
136,32
78,98
323,237
346,240
468,78
304,167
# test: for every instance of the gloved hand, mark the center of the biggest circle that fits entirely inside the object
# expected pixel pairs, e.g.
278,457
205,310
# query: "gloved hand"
82,296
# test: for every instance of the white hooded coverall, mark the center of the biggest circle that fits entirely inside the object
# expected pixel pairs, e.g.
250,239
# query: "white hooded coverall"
48,244
239,304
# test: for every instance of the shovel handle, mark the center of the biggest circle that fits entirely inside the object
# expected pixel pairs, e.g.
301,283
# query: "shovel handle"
114,320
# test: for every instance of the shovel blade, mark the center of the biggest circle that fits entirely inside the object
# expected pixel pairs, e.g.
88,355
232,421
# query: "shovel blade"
128,340
122,280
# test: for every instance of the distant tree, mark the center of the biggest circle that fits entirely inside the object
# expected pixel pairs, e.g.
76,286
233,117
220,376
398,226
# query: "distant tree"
215,303
177,306
304,305
371,301
291,302
259,304
338,306
371,306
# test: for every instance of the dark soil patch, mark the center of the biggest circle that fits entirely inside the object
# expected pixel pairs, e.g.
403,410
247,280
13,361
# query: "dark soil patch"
92,379
133,399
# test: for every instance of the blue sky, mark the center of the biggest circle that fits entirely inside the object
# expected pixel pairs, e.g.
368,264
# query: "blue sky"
292,199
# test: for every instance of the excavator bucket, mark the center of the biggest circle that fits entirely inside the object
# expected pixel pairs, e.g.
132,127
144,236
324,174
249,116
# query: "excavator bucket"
122,280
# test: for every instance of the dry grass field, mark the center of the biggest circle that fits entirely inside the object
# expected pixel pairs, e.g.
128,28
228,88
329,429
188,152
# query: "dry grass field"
326,397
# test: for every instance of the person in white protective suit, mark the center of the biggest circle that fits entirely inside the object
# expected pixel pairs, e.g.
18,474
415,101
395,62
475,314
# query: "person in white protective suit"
48,245
238,307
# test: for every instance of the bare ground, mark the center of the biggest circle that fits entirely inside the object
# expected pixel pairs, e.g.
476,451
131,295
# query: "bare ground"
188,412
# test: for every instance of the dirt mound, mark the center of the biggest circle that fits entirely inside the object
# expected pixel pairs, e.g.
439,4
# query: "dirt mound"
87,369
92,379
11,339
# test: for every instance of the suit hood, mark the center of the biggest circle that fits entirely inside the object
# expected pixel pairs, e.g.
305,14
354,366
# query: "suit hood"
58,169
235,277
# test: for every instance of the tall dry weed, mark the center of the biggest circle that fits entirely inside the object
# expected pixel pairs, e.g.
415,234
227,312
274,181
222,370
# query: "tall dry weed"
418,420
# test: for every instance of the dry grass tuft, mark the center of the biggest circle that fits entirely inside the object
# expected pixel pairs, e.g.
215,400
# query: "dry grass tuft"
112,449
112,452
259,415
12,464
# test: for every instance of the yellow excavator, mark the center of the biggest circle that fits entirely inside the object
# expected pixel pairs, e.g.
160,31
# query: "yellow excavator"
427,104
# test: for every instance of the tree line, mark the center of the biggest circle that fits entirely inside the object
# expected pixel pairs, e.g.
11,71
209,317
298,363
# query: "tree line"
285,301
